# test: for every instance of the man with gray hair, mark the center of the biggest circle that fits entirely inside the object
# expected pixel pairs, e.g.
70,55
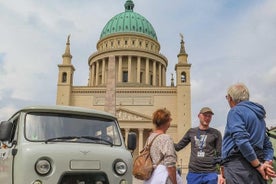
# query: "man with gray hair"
247,152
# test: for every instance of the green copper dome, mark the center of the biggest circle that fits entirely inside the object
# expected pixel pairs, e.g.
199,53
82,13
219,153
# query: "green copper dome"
128,22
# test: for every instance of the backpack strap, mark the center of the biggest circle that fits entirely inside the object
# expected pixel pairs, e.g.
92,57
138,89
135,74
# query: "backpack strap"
149,145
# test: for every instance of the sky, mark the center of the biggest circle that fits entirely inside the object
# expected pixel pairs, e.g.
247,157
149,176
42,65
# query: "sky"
226,41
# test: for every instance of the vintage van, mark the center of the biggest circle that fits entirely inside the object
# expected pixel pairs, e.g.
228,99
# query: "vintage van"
64,145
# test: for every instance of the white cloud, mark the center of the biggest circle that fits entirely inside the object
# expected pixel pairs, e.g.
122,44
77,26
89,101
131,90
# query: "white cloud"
270,76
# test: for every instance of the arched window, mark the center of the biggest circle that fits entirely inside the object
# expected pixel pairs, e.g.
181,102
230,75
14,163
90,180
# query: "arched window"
64,77
183,77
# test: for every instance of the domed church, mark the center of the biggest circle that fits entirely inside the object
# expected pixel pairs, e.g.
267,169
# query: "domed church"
127,77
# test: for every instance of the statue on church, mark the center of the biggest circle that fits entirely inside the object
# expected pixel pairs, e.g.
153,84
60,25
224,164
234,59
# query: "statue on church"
181,36
68,38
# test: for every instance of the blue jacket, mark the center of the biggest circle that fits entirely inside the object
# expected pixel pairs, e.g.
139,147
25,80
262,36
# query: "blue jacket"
246,130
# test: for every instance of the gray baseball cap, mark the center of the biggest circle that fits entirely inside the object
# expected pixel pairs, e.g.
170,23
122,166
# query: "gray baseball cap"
206,109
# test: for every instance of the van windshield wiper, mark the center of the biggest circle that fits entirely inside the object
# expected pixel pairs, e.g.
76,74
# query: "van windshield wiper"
96,138
78,137
61,138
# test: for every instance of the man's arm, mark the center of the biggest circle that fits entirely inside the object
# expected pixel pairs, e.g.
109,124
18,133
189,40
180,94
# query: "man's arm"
268,149
183,142
219,144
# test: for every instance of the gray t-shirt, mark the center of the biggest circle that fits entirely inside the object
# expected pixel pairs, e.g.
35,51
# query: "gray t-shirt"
205,147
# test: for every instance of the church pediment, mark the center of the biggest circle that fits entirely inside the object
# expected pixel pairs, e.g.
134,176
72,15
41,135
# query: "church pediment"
125,114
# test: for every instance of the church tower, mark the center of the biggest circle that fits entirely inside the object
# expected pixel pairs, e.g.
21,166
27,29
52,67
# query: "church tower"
183,85
65,77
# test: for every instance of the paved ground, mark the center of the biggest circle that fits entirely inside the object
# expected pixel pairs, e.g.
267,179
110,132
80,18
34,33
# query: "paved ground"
135,181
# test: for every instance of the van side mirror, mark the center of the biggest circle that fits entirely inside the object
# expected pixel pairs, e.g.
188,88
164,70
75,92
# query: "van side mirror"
6,128
131,141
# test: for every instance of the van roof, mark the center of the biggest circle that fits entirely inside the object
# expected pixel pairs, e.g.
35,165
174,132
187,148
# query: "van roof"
67,109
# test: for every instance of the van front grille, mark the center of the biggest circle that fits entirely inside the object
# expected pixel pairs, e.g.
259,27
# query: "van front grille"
84,178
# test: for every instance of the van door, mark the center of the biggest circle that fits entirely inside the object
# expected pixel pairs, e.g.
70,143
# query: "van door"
6,157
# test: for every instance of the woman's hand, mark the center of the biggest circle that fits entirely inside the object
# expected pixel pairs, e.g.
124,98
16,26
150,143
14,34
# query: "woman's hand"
172,174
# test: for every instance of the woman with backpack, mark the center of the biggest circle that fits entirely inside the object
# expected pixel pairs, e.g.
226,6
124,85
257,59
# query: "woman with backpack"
162,151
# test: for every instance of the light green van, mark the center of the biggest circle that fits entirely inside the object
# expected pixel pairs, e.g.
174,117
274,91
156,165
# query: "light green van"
64,145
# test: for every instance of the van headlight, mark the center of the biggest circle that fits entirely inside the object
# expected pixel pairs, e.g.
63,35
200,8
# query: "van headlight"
37,182
120,167
43,167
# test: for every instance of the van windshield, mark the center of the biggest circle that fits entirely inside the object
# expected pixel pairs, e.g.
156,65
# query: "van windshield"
60,127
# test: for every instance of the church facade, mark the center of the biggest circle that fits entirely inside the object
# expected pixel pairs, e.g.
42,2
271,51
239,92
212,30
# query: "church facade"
127,77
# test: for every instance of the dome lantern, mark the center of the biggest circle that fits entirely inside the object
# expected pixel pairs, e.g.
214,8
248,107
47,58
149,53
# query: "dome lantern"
129,5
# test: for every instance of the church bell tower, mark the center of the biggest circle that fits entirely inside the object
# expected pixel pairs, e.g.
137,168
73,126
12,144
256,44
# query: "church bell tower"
65,77
183,85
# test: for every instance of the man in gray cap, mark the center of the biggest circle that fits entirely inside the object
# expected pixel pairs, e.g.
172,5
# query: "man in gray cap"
205,147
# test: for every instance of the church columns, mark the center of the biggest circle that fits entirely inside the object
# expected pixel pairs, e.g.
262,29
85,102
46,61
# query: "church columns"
163,76
103,71
160,74
141,138
138,70
129,69
97,73
120,69
154,73
147,70
126,135
92,75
